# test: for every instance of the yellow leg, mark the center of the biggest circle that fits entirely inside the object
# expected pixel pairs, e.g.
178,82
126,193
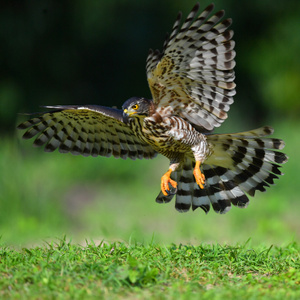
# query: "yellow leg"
200,178
165,180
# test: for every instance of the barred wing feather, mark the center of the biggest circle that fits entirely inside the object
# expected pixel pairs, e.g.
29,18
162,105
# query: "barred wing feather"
193,76
89,130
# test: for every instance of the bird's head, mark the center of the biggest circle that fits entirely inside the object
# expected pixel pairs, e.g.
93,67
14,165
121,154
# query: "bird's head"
136,107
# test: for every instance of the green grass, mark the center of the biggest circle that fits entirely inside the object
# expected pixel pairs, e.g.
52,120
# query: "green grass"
136,271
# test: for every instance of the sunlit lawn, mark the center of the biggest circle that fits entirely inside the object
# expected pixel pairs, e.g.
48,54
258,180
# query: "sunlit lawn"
62,270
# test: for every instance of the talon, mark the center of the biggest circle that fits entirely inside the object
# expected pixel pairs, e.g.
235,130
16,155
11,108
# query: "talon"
200,178
165,180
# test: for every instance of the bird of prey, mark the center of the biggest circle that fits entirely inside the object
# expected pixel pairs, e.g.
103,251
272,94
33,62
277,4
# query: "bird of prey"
192,85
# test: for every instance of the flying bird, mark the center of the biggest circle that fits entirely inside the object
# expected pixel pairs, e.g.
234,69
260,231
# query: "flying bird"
192,85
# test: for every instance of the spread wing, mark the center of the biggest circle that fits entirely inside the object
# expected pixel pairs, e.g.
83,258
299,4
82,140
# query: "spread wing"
193,76
89,130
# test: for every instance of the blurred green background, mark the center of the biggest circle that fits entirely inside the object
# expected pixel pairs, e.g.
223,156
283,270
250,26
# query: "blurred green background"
94,52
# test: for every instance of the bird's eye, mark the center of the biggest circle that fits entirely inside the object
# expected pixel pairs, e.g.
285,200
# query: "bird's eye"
135,106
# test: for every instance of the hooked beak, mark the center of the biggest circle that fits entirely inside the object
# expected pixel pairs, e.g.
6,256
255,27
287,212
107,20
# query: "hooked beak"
126,115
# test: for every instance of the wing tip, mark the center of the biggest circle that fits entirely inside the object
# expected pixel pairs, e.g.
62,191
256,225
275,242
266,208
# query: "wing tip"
23,125
209,8
196,7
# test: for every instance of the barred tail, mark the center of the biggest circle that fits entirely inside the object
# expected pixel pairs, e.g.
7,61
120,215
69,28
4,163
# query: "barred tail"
187,189
240,163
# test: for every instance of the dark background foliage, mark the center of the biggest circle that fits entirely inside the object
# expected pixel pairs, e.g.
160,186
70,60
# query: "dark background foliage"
94,52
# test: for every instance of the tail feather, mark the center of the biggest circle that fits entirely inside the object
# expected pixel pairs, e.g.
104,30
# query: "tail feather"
218,177
200,199
185,188
240,163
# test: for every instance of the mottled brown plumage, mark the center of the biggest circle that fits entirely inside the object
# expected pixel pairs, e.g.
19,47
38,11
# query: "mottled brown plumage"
192,85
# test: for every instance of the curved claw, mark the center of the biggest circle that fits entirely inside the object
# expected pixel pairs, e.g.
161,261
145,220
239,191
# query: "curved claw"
165,181
200,178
